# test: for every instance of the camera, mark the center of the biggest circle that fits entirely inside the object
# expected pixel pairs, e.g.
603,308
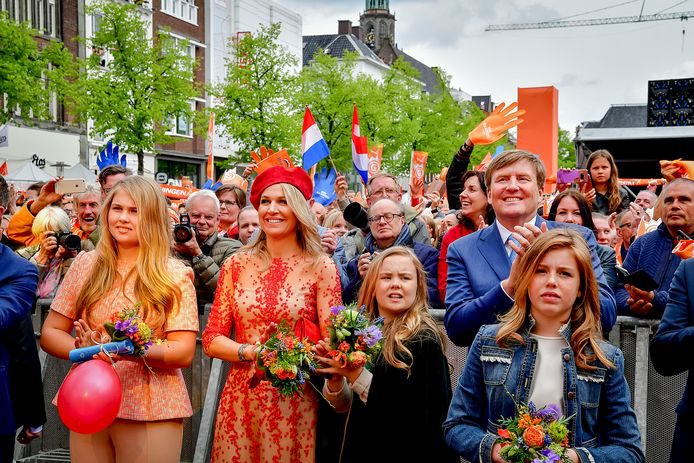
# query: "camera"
357,216
183,231
70,241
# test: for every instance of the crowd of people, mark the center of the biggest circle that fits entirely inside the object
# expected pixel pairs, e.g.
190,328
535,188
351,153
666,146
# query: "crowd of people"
531,293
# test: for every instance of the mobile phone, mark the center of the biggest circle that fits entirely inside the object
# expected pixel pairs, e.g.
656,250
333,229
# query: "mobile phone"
639,279
70,185
585,184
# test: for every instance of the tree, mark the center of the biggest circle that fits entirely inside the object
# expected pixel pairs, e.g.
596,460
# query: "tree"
443,126
567,150
146,83
330,88
21,71
255,106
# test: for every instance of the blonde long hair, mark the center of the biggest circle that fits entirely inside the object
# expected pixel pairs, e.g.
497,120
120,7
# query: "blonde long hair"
586,331
156,291
306,229
411,323
613,196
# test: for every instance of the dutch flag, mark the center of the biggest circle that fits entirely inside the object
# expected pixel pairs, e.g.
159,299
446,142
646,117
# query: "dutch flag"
360,153
313,146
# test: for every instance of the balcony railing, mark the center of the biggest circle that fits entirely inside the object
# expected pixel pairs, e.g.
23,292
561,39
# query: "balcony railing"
181,9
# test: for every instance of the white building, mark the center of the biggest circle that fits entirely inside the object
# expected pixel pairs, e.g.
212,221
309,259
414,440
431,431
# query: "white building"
230,20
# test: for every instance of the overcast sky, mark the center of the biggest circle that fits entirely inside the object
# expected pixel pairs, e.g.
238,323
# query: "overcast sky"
593,67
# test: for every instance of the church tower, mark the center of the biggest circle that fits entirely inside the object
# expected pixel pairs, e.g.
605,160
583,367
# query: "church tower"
378,28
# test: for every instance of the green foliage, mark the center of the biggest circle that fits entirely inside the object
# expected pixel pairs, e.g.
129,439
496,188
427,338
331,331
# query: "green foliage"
21,68
262,103
255,105
330,88
145,85
566,150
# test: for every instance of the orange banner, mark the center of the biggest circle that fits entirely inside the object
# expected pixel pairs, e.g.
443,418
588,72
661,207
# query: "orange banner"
418,165
176,192
538,132
375,157
210,143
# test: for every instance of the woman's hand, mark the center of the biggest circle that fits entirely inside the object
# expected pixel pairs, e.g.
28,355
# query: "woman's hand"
333,368
47,247
590,195
249,170
83,334
496,454
573,456
481,223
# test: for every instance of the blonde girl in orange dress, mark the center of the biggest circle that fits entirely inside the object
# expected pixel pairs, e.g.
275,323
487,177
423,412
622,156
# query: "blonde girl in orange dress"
281,275
130,266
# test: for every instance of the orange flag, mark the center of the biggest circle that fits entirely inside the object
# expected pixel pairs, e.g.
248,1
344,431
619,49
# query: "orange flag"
210,143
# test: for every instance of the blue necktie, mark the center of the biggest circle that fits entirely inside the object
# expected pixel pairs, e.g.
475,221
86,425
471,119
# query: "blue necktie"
511,254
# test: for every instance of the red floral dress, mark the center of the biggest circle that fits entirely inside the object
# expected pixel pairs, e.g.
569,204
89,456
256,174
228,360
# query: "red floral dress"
260,425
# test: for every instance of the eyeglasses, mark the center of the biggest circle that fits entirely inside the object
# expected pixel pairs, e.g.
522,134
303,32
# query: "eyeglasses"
388,217
384,192
227,203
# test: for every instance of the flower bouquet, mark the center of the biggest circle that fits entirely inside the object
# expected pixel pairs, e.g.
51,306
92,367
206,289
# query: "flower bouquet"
127,334
355,340
127,325
284,360
534,436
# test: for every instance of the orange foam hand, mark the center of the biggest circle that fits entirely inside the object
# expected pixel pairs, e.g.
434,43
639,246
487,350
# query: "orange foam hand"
269,158
495,126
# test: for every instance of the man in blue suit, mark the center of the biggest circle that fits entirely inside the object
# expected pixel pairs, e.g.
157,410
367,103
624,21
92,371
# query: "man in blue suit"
18,280
671,348
482,269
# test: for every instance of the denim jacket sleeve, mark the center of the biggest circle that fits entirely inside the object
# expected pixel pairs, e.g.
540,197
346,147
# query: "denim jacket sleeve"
619,438
465,428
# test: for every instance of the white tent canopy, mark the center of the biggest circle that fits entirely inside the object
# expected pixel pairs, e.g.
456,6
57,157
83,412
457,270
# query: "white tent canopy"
27,174
79,171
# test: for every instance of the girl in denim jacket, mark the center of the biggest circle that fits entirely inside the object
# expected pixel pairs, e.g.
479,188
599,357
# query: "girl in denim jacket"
548,349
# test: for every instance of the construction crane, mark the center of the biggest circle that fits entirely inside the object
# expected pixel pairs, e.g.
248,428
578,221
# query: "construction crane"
683,15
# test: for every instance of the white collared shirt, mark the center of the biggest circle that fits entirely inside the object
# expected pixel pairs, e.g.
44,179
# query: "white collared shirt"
504,232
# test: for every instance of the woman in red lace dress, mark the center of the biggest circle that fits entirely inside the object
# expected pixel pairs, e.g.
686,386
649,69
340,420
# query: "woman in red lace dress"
283,274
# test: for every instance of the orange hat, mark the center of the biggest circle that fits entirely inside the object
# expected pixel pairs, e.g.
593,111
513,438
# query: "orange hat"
295,176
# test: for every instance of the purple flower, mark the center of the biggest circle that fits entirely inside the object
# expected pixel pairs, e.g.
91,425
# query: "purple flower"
551,412
337,309
371,335
550,456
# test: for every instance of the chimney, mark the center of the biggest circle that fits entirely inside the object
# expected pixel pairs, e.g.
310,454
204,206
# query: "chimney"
356,31
344,26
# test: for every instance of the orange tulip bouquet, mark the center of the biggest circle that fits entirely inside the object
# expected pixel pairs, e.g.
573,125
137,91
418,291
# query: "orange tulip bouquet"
534,436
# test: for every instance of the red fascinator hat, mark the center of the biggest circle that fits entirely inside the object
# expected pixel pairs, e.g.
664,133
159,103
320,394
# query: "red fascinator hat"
295,176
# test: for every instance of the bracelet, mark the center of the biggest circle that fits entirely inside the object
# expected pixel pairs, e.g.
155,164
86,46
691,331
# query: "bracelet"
242,347
467,148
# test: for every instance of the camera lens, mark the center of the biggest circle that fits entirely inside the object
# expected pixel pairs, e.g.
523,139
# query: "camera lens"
70,241
182,233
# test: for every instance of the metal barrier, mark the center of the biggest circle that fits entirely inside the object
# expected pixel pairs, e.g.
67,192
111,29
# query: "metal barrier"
54,441
654,397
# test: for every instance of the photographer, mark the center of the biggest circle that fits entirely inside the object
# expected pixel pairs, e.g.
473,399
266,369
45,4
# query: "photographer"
198,244
55,250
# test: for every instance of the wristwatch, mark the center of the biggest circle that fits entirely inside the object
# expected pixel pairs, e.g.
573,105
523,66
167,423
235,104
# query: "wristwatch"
198,258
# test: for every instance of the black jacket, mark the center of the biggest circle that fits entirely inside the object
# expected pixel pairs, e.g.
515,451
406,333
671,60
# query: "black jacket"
403,417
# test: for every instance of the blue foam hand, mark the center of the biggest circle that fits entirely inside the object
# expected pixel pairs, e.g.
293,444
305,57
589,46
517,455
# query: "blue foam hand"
108,156
324,186
86,353
210,186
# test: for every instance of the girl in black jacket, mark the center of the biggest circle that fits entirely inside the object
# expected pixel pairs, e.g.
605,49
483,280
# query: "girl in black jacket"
395,410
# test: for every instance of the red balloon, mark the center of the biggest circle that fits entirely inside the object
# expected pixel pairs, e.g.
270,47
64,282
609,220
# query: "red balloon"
90,397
